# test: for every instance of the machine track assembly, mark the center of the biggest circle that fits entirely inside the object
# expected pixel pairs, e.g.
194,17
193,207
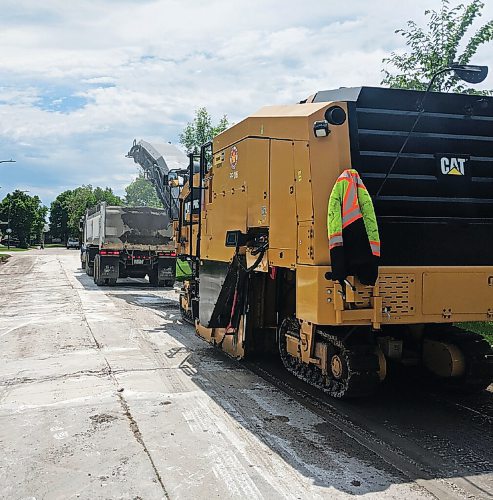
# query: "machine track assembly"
478,359
353,367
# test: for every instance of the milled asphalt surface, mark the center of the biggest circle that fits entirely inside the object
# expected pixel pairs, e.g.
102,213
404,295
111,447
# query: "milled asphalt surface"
104,393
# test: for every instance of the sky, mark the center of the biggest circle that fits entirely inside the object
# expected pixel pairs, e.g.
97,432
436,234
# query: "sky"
80,79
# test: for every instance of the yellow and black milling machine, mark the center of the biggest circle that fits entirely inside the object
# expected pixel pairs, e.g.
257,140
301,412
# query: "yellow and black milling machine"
253,224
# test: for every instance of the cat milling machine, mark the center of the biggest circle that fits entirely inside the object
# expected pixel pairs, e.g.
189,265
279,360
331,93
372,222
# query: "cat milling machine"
254,225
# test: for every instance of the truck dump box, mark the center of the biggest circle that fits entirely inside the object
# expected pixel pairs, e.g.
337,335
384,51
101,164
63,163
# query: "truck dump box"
131,228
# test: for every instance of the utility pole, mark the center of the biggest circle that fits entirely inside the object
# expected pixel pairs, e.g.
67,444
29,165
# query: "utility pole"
8,223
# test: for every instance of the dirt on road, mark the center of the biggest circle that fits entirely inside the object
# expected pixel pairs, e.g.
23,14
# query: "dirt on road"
105,393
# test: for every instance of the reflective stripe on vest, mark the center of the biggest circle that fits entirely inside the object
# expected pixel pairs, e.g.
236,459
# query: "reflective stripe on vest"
375,248
335,240
350,207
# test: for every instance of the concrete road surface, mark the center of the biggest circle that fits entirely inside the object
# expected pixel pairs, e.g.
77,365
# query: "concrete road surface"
105,393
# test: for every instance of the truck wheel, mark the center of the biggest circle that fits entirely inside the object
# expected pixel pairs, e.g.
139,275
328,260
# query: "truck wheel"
97,278
153,277
83,264
111,281
89,268
95,271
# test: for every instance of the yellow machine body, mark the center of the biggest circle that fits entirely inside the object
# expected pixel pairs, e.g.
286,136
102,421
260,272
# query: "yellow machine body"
271,173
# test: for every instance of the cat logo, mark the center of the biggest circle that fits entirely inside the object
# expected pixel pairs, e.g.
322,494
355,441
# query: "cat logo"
452,165
233,157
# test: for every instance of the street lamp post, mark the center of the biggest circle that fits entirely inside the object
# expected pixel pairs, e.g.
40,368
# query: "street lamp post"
8,223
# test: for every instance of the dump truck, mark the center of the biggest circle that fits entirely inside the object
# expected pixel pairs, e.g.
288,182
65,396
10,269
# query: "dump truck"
253,222
122,242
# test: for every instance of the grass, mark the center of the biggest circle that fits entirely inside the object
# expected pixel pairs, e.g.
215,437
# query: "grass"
484,328
54,245
12,249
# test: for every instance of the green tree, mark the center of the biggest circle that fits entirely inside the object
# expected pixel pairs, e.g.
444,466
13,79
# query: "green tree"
26,215
201,130
59,216
445,40
85,197
141,193
73,204
81,199
107,195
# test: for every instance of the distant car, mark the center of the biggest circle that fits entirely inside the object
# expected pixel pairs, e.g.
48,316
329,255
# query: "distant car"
73,243
14,242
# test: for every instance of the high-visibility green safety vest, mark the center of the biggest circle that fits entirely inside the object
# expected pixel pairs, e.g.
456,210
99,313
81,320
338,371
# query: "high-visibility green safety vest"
350,202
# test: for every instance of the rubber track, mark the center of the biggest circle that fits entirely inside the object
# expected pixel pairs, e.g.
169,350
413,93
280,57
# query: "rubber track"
360,360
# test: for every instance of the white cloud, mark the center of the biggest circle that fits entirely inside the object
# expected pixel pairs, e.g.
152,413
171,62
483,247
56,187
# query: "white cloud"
139,69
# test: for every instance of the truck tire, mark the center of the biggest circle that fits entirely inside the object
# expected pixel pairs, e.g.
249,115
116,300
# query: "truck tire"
112,281
89,269
153,277
97,278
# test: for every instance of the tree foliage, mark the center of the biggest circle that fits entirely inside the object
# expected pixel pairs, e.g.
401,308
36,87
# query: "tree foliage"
69,206
26,215
445,40
141,193
59,216
201,130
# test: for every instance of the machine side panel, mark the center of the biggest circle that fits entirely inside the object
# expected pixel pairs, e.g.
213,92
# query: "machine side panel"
305,252
409,295
258,183
303,180
283,226
304,203
462,293
226,207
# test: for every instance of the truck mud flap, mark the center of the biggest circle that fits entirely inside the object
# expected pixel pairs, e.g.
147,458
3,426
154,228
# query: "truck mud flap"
166,269
110,267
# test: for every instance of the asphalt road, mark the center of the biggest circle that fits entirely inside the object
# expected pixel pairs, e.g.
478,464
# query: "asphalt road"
104,393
